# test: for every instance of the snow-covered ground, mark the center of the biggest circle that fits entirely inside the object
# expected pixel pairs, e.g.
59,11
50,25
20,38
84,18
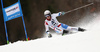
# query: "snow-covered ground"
88,41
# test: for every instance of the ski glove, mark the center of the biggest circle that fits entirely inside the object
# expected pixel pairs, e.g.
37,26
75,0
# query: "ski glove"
63,13
49,35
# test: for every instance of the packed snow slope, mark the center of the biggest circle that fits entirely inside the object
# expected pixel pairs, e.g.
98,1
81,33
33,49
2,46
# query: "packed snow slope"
88,41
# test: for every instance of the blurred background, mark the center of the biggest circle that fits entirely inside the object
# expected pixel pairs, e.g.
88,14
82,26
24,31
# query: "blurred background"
33,11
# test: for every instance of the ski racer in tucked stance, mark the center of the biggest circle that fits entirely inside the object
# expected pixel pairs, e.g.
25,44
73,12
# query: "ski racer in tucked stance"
53,23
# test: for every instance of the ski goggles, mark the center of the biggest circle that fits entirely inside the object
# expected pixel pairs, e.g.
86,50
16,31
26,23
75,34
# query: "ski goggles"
47,15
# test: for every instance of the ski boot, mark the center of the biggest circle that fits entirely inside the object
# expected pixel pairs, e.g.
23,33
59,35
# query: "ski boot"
81,29
64,31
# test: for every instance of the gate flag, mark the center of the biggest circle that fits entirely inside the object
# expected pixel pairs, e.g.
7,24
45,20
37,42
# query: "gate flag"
12,12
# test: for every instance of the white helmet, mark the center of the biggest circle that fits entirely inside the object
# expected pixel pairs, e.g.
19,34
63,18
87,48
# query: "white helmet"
47,12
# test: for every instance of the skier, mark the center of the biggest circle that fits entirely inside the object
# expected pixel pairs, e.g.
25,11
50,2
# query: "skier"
53,23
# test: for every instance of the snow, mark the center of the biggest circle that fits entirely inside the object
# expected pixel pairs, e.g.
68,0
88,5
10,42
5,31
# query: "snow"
88,41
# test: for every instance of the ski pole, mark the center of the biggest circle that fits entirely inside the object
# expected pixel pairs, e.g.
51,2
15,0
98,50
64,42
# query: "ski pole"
79,8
